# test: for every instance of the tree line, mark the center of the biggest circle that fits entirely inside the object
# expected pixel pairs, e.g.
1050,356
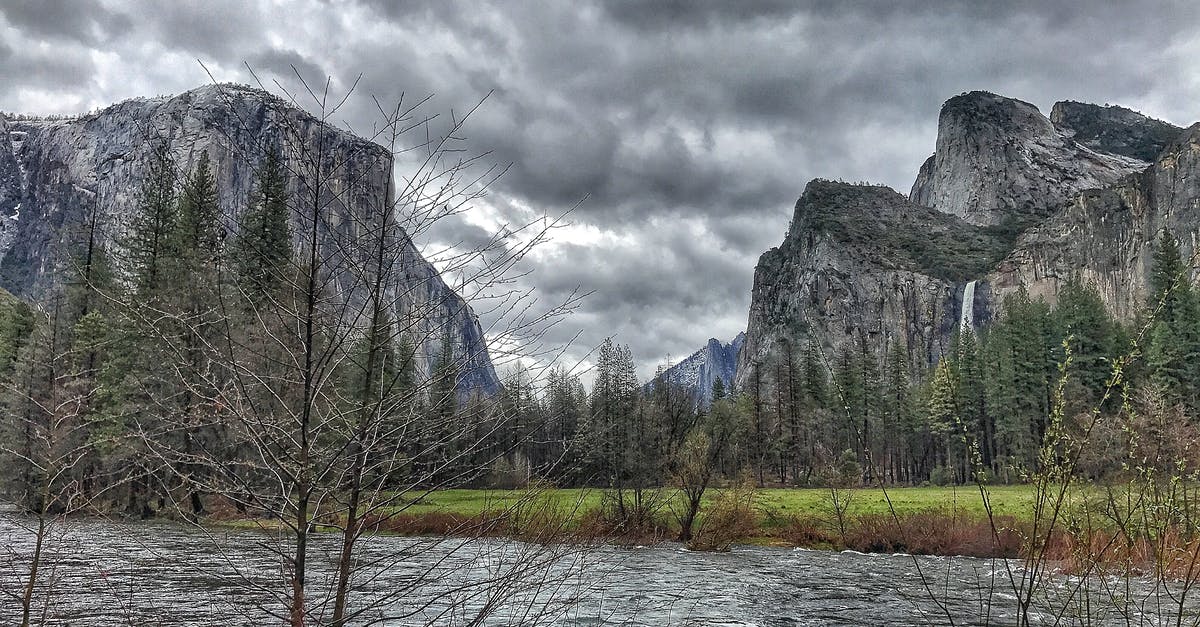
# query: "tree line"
130,345
865,414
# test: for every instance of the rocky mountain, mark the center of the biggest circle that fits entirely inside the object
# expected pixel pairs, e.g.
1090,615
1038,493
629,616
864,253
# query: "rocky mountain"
55,172
1010,198
717,360
1000,160
1112,129
862,260
1106,236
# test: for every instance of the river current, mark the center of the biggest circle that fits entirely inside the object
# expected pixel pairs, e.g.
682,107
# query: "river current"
165,574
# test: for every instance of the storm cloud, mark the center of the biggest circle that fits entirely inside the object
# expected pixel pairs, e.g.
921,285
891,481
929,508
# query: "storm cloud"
688,129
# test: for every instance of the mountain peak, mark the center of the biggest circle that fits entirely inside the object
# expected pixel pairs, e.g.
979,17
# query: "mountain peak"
1113,129
981,110
999,160
717,360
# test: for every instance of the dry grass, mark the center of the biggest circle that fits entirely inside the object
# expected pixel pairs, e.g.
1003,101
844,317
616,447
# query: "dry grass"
731,518
931,532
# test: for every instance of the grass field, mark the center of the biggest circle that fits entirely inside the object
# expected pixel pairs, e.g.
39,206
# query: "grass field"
1013,501
928,520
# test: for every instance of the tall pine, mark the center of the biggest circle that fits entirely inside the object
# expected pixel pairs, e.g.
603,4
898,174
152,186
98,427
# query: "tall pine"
1173,356
149,243
263,247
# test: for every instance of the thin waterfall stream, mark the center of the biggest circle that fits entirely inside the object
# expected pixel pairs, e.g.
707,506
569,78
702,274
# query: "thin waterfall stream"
966,319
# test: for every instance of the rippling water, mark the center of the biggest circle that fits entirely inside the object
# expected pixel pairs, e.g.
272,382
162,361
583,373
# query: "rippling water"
108,573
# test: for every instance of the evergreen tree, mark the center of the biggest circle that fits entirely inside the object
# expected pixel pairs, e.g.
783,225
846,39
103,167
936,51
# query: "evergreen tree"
149,244
1081,316
444,404
565,407
850,400
1032,346
942,413
870,403
718,389
816,378
199,229
896,413
1173,356
264,242
972,398
1170,280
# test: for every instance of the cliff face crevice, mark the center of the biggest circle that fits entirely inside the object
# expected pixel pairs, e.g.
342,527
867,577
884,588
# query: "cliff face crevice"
55,172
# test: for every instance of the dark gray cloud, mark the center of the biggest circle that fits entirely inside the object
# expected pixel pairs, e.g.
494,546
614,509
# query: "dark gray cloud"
212,29
690,127
286,65
65,20
44,69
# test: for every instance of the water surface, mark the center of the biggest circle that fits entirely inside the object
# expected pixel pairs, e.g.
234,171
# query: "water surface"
159,573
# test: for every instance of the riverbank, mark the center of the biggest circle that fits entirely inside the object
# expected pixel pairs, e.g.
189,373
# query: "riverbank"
938,521
1094,525
918,520
170,575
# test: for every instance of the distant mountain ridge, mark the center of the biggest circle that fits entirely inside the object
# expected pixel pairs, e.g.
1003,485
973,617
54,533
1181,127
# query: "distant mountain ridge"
717,360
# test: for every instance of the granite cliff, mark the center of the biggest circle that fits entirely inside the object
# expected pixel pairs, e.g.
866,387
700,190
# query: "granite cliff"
1010,198
55,172
1107,236
1000,160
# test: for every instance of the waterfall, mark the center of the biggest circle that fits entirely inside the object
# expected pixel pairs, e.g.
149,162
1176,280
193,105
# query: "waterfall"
966,318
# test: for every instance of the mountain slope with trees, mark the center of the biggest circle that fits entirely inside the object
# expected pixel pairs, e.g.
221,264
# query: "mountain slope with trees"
60,177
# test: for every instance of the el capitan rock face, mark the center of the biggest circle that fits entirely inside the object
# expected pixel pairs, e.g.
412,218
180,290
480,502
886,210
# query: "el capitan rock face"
1010,199
55,172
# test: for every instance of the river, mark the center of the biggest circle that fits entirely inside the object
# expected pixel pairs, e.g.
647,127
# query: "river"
166,574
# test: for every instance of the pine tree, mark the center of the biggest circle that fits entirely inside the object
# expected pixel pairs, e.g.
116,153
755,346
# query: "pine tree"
718,389
149,244
849,399
199,229
1169,281
264,242
565,406
870,402
1033,345
444,398
1081,316
896,412
972,398
942,413
816,378
1173,356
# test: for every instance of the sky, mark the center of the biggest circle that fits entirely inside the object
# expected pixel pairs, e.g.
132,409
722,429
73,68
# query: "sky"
680,133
